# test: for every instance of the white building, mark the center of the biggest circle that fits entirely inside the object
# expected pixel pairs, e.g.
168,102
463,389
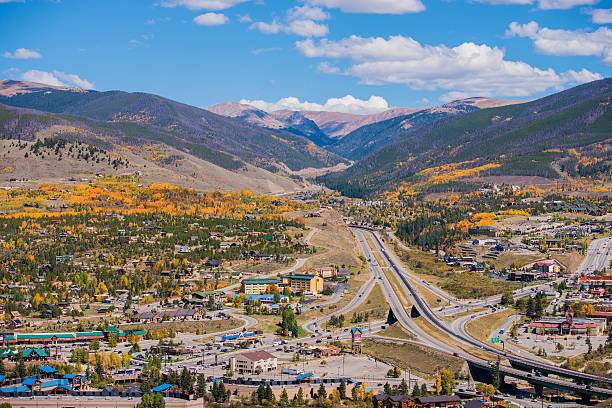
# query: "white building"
253,362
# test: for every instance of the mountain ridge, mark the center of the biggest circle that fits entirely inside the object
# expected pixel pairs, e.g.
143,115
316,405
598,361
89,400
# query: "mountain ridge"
518,138
188,127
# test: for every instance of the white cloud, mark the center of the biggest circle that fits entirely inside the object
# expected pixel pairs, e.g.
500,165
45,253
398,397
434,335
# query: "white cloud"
372,6
202,4
328,68
245,18
544,4
302,21
211,19
11,1
346,104
22,53
549,41
56,78
470,69
601,16
564,4
307,12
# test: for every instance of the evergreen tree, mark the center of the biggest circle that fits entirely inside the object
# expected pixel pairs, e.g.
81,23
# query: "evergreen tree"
403,388
530,308
416,391
322,393
261,393
424,391
20,368
186,380
299,397
201,386
284,399
387,389
270,398
342,389
254,398
355,393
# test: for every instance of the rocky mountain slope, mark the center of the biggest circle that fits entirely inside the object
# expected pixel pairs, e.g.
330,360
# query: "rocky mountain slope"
339,124
291,122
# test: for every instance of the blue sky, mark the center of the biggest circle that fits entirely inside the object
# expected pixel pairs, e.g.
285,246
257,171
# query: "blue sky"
402,52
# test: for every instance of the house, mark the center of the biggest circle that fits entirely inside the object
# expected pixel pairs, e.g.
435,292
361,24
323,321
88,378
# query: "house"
213,263
393,401
304,283
258,286
548,266
34,354
326,272
439,401
254,362
522,276
207,296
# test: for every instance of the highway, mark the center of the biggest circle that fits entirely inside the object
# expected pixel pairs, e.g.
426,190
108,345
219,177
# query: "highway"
432,318
598,257
362,294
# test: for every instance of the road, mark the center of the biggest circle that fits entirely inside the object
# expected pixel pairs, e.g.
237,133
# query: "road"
598,257
458,305
299,263
429,315
358,299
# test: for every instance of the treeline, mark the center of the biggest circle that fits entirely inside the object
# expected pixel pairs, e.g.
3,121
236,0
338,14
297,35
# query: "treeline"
428,231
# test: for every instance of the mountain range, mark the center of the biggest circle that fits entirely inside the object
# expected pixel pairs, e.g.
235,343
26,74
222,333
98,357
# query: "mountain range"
233,145
525,139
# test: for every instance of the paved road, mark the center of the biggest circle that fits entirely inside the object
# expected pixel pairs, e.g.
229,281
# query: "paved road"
360,297
598,257
432,318
462,305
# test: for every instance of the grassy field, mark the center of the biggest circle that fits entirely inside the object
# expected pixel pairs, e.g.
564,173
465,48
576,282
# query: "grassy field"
203,326
269,323
571,260
334,242
509,259
435,333
396,331
483,327
375,304
403,298
463,285
423,360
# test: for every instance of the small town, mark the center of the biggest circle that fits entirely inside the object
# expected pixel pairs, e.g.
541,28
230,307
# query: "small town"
305,204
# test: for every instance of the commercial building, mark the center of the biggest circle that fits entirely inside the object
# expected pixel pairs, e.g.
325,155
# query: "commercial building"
254,362
566,325
258,286
304,283
596,280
